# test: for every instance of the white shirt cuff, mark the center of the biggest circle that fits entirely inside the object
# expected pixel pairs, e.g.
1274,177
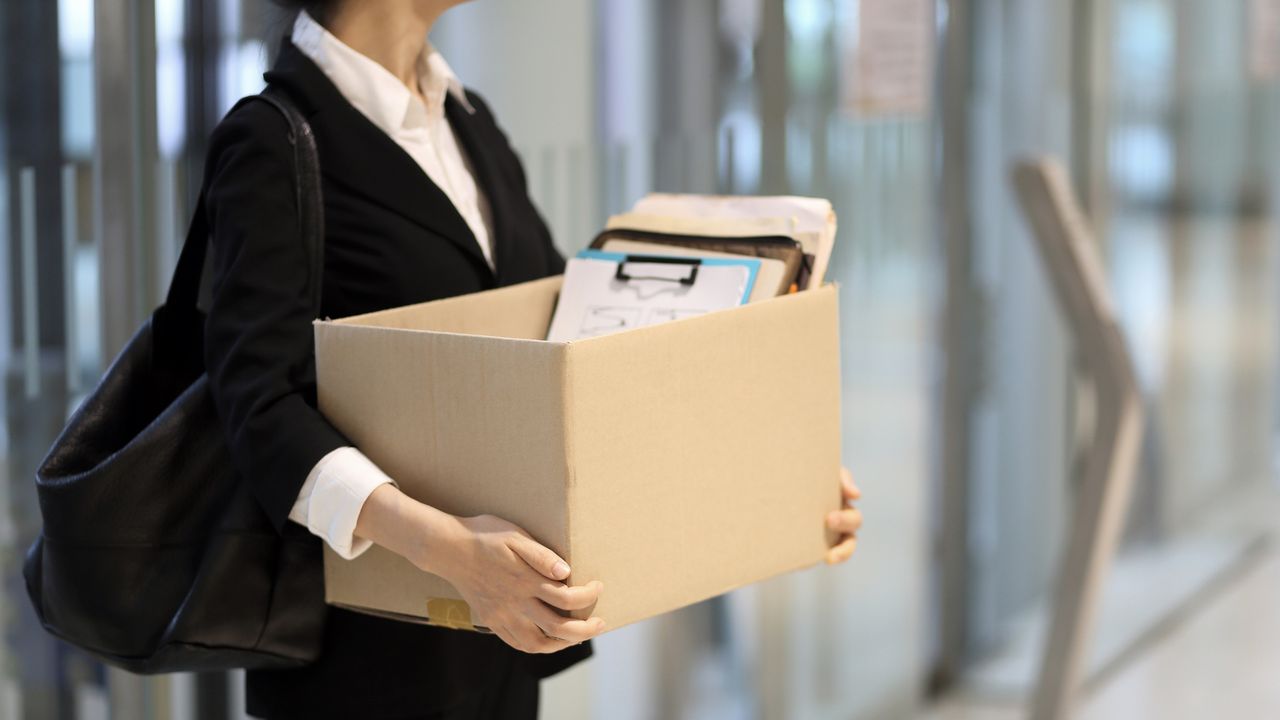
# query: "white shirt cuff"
332,496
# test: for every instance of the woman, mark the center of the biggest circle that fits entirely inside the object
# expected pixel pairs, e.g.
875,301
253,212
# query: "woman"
423,199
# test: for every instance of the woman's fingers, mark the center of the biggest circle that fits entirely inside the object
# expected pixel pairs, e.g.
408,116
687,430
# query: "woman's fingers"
532,639
508,637
539,557
513,634
570,597
847,488
845,522
843,551
558,627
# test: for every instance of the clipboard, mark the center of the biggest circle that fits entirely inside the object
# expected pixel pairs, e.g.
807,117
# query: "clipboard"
608,292
771,277
778,247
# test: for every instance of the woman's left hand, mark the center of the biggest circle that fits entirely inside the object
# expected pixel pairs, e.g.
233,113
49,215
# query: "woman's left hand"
846,522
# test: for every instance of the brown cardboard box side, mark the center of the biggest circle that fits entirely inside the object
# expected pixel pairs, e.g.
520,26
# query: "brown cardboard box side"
672,463
704,454
486,440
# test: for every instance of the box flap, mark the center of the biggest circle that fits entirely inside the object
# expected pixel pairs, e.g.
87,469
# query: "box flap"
516,311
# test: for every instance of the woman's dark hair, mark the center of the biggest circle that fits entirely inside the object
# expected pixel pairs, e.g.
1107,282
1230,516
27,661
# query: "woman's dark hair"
311,6
281,21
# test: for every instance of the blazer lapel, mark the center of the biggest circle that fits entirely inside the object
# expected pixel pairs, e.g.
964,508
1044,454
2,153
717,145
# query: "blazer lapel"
373,165
479,150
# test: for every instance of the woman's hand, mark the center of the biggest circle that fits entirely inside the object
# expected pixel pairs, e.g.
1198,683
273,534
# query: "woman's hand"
512,584
846,521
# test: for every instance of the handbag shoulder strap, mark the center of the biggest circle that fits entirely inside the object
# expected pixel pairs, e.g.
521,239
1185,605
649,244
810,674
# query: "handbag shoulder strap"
310,200
184,290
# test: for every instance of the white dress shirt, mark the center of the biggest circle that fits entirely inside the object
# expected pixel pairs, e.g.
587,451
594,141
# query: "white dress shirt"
337,487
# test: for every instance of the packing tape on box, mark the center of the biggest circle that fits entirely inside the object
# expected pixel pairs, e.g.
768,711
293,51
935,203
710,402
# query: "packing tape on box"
450,613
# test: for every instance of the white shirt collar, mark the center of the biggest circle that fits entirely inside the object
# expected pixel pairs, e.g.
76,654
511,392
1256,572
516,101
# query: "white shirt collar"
371,88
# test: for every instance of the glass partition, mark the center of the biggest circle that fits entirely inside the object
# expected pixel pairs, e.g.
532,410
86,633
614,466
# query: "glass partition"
962,408
48,328
1157,107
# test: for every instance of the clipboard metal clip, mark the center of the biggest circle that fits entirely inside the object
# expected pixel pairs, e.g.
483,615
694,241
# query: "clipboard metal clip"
692,263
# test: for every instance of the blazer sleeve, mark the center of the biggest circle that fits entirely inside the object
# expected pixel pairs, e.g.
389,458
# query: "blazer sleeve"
259,349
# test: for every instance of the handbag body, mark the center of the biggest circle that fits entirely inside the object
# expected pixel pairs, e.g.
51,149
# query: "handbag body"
154,556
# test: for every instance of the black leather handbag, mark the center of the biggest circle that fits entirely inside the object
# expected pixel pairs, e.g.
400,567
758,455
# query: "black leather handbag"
154,556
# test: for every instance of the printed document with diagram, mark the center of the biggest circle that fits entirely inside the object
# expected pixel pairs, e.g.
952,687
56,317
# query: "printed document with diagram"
608,292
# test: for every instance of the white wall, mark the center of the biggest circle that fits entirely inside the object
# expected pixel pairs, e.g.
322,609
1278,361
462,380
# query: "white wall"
535,63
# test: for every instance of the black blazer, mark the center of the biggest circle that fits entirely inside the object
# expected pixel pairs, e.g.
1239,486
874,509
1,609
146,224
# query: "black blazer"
392,238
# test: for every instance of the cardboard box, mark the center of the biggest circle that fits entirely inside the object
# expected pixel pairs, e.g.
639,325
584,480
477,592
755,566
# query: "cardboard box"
673,462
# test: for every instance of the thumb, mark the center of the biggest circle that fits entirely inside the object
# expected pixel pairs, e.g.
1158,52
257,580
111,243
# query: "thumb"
847,487
540,558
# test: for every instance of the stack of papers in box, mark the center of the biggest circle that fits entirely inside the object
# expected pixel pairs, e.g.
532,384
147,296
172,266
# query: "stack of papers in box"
678,256
810,221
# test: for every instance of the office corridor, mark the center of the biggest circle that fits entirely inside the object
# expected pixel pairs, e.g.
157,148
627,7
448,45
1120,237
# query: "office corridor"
1219,659
1190,626
965,419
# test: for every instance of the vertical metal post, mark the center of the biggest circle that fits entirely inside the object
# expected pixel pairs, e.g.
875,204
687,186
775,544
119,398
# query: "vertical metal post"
774,88
624,197
7,319
30,283
70,241
30,87
169,227
201,41
686,29
960,323
124,164
212,696
1091,85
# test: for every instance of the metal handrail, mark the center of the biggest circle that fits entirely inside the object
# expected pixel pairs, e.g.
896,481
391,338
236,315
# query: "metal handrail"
1070,256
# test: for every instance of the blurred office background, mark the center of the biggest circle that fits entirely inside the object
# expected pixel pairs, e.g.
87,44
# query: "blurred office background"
963,412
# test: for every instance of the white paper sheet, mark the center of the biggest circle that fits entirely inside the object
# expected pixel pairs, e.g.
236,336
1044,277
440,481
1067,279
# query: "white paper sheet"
593,302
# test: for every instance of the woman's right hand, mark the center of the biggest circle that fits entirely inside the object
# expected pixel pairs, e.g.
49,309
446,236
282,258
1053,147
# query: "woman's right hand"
513,585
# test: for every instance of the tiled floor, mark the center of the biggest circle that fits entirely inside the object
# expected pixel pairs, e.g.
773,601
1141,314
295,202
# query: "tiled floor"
1221,662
